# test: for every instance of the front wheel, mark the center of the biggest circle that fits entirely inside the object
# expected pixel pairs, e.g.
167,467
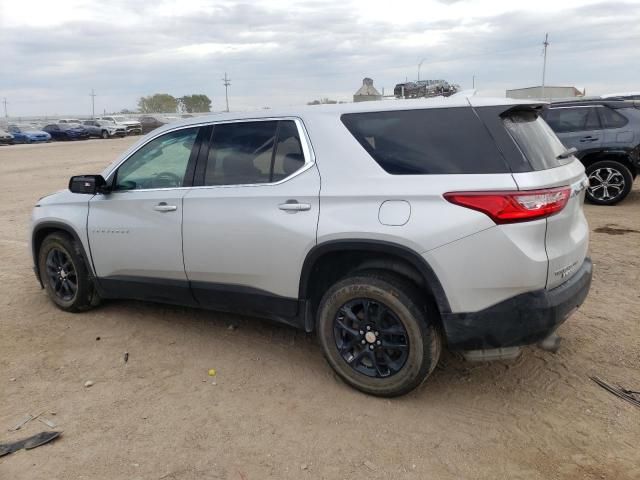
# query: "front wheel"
609,182
105,134
377,334
64,274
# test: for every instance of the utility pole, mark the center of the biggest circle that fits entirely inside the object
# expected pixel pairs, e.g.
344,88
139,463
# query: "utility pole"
544,62
227,83
93,104
473,82
419,67
6,115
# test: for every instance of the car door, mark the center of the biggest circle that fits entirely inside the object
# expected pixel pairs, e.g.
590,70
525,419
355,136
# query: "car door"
251,218
135,232
576,126
617,132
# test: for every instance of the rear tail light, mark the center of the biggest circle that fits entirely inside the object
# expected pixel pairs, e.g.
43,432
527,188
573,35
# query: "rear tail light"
516,206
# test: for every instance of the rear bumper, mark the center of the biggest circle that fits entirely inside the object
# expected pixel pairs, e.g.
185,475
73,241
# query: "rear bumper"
521,320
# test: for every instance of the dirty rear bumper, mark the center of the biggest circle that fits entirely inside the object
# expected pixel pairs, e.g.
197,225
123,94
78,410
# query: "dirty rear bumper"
521,320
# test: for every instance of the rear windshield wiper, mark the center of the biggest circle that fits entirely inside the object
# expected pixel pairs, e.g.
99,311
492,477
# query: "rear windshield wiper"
567,153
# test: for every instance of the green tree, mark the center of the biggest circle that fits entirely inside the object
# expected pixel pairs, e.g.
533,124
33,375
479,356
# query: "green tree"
195,103
158,103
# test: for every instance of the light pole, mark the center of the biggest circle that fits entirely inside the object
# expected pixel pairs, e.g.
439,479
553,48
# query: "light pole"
419,67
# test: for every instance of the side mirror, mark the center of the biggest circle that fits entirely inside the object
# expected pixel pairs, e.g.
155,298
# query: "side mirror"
91,184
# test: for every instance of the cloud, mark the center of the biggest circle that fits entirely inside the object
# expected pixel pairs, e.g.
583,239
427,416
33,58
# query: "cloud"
281,54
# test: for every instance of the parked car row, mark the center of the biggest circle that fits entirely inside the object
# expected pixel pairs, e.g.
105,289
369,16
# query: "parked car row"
107,126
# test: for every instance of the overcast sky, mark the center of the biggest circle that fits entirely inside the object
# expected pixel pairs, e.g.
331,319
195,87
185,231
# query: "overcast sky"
52,53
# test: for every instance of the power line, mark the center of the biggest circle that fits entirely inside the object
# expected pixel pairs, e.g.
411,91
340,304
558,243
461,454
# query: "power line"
227,83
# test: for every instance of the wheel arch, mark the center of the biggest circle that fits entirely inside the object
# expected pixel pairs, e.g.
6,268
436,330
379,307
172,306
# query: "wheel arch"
622,156
371,254
44,229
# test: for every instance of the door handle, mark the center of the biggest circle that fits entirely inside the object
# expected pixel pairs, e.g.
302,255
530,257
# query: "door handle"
589,138
163,207
294,206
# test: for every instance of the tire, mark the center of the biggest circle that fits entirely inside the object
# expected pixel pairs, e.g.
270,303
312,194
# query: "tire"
59,250
105,134
407,323
610,182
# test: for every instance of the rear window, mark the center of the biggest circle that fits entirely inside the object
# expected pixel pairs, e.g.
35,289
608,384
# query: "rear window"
428,141
536,140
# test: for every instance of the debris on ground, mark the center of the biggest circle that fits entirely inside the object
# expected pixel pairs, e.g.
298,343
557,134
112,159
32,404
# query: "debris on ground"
126,357
369,465
621,392
12,379
97,339
88,383
212,372
28,443
232,327
304,466
26,419
47,422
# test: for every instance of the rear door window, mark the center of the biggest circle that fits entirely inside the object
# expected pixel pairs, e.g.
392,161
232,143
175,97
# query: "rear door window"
427,141
537,142
611,119
248,153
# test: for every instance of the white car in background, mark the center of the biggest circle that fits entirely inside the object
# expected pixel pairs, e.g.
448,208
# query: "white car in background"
133,127
623,96
104,129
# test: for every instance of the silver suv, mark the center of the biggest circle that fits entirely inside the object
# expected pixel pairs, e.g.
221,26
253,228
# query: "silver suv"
392,229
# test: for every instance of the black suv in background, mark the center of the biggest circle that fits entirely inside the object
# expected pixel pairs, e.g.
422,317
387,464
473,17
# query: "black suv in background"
606,135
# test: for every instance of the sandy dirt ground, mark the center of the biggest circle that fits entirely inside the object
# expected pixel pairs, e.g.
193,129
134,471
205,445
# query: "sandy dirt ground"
276,409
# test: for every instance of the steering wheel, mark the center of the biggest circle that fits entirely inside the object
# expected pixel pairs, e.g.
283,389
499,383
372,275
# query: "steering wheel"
166,180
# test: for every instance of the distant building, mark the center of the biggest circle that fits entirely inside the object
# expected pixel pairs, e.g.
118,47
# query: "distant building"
550,92
367,92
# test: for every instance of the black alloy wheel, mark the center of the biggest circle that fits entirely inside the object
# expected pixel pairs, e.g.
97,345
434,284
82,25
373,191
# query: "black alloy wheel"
371,338
62,275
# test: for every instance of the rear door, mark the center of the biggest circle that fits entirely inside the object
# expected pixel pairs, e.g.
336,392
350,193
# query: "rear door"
616,128
567,235
251,217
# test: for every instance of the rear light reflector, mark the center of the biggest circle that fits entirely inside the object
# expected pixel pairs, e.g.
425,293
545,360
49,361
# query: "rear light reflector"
515,206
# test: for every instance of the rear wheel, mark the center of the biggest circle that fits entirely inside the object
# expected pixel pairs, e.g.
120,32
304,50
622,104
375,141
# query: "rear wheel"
377,334
609,182
64,274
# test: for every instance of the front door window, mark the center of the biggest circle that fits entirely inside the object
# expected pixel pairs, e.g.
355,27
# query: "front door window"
161,163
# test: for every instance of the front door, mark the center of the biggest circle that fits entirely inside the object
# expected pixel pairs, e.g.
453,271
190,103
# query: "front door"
135,232
250,224
576,126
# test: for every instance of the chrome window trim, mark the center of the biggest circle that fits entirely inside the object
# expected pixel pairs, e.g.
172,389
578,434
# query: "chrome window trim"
576,106
305,141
